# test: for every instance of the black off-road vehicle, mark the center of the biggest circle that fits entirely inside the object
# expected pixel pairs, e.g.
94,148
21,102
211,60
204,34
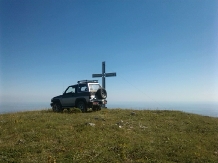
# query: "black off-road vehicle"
85,94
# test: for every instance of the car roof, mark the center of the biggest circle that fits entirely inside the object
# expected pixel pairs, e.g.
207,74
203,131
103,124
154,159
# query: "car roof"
85,82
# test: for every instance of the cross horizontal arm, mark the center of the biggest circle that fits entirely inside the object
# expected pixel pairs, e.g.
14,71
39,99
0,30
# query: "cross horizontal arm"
104,75
110,74
96,75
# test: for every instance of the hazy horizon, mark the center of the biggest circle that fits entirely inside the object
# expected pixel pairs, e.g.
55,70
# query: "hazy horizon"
201,108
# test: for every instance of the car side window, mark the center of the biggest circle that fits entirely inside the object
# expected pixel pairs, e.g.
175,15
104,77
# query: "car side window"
70,90
82,88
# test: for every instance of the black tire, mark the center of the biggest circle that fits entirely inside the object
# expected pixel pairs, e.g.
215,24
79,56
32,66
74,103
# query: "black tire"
82,106
99,108
96,108
101,93
57,107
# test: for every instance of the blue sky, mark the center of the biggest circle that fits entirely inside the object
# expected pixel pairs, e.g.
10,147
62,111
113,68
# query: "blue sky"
161,50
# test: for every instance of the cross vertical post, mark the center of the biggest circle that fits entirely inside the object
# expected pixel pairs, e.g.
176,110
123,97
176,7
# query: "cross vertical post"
103,75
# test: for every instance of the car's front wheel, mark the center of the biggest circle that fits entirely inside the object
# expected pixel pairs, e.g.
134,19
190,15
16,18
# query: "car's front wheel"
82,106
56,107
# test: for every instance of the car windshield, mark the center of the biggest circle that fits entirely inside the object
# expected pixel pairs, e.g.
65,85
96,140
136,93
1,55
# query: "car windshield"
94,87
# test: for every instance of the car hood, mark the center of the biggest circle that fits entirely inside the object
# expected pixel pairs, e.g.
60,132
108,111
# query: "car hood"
57,97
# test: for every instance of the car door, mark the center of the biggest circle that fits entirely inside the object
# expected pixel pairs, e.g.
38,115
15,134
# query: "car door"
68,98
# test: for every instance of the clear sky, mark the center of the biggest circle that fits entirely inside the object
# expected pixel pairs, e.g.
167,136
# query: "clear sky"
161,50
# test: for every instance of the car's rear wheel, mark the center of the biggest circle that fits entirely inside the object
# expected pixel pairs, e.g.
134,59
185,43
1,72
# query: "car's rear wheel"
82,106
56,107
99,108
96,108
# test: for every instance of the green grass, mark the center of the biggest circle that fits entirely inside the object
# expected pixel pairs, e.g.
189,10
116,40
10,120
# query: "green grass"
109,135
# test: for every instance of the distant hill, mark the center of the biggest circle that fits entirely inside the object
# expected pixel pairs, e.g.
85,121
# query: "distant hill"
109,135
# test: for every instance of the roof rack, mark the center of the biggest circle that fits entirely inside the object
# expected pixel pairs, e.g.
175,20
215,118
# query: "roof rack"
87,81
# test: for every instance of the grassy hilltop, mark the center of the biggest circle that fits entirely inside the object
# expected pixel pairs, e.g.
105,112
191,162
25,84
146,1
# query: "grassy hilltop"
109,135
